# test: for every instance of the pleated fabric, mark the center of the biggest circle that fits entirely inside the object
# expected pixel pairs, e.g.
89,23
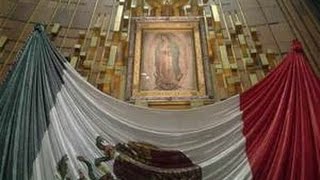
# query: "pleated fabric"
50,119
26,98
281,118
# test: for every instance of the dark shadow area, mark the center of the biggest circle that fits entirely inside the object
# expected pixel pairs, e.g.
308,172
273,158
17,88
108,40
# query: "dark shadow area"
314,7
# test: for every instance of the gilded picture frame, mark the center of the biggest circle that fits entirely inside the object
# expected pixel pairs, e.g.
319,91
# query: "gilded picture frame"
166,60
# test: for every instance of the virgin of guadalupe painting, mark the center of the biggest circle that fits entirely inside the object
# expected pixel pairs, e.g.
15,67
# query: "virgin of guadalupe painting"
168,72
168,61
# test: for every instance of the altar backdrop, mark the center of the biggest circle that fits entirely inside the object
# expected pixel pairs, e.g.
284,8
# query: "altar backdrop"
52,124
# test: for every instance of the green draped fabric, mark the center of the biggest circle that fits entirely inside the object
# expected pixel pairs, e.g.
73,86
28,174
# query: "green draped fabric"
23,110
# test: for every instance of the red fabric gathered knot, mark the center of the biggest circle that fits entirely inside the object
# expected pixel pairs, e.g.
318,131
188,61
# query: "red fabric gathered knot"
296,46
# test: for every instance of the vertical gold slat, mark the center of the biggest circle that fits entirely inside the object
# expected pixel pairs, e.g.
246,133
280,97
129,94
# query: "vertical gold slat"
215,17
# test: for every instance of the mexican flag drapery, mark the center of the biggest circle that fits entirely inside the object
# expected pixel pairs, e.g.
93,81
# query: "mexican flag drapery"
54,125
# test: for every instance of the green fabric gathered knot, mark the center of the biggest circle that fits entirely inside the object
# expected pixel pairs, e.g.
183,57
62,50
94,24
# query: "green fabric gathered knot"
39,27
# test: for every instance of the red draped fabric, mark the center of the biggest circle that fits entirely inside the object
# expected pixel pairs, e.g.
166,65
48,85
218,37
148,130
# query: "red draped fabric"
281,118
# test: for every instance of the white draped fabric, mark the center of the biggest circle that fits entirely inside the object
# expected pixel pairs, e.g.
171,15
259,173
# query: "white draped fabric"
210,136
